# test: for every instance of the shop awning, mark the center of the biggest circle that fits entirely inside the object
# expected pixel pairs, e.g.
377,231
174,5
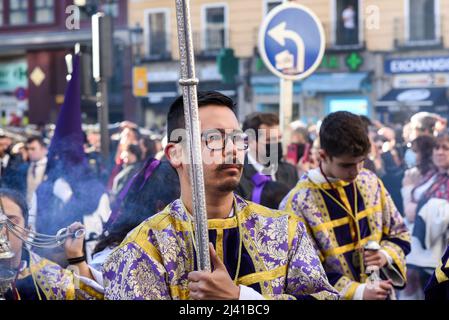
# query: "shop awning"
269,85
336,82
417,98
161,95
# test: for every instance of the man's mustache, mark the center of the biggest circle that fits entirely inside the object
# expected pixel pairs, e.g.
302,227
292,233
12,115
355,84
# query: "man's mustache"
230,163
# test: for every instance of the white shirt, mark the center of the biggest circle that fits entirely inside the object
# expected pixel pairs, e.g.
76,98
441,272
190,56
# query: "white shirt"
4,162
260,168
348,16
419,191
33,181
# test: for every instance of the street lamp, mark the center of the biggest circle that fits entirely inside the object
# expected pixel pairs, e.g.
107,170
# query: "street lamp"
136,41
136,34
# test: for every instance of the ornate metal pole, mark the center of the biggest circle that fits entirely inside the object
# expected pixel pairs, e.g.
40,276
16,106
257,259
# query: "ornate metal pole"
189,84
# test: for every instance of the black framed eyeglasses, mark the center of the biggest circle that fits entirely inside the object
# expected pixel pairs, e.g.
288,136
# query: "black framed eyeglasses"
216,139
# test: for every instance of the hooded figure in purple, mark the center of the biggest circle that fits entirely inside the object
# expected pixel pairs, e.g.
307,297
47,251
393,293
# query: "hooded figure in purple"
71,191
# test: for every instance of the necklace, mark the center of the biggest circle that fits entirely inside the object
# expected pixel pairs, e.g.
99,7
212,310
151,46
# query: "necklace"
239,259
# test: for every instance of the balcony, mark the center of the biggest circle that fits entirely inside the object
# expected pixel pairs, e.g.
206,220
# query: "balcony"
208,43
340,39
412,35
158,47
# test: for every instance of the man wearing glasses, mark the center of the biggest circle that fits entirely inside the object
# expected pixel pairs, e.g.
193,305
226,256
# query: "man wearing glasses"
256,252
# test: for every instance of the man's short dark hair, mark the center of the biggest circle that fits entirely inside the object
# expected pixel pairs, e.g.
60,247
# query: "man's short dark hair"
175,117
136,132
366,122
135,150
38,139
254,120
344,133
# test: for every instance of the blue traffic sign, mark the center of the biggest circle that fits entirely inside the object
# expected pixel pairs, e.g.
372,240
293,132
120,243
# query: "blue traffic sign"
291,41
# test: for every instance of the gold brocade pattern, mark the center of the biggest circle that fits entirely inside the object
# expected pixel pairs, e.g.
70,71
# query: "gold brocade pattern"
55,282
156,258
384,225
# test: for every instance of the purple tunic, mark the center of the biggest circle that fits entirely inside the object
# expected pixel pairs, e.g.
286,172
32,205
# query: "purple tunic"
332,230
277,257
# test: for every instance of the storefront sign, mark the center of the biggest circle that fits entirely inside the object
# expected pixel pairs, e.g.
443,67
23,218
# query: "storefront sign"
140,82
13,75
417,65
353,62
358,106
421,80
37,76
330,62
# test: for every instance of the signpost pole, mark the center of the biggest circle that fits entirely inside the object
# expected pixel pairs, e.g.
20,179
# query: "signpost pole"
285,109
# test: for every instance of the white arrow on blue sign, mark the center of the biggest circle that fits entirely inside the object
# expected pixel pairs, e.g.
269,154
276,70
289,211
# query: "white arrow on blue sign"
291,41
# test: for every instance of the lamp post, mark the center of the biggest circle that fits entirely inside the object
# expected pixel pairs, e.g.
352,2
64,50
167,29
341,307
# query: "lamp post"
136,41
136,35
102,63
90,7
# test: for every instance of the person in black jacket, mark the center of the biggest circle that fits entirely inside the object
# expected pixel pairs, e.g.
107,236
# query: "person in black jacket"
13,168
264,160
438,286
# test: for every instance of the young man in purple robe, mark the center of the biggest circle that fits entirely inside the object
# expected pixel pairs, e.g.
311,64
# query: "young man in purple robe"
346,208
256,252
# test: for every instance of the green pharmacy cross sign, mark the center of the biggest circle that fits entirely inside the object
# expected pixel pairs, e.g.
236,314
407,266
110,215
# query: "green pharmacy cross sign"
354,61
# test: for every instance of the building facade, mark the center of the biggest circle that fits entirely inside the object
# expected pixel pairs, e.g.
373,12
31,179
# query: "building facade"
362,38
383,58
365,42
36,36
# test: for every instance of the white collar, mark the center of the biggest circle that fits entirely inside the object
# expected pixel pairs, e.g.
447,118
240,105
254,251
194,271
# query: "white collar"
259,168
230,215
316,176
41,162
5,158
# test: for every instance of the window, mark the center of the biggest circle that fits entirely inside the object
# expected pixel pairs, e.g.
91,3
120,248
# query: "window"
111,8
44,11
18,12
347,22
422,22
1,13
270,5
157,33
214,34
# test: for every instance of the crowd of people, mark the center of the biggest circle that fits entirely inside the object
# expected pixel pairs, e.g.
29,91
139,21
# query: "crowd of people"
349,208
